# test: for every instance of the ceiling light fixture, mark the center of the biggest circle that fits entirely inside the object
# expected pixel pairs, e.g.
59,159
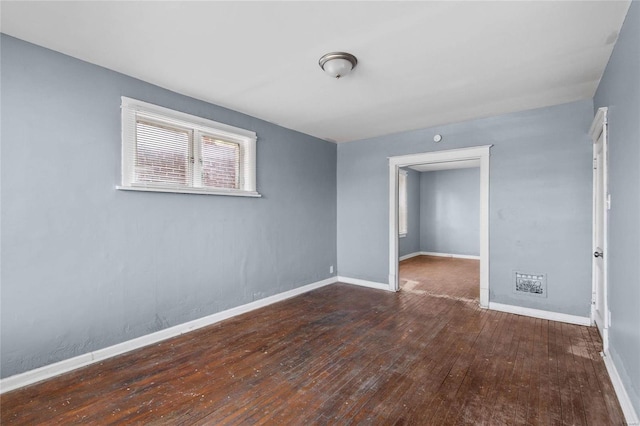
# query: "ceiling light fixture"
338,64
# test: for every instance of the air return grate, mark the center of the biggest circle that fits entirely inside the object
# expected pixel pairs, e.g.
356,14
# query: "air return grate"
530,284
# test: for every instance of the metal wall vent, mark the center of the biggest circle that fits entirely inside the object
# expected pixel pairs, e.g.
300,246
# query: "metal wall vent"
530,284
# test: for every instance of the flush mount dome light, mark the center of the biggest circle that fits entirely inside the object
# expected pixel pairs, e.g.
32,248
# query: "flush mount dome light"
338,64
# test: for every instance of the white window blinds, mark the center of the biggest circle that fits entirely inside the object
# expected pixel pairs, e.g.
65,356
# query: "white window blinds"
162,154
220,163
169,151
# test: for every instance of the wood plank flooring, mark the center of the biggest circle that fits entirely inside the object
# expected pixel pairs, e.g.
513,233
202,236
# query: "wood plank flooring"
441,276
343,355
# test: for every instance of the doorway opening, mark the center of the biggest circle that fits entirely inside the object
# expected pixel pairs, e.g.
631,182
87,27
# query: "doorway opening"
455,158
439,250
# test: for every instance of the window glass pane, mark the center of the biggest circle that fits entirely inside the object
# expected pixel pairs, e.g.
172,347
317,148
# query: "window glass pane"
220,163
162,154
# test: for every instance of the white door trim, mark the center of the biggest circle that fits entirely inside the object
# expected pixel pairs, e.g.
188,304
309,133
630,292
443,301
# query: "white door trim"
599,127
474,153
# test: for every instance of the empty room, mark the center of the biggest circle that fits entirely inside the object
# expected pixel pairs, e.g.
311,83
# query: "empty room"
409,213
439,229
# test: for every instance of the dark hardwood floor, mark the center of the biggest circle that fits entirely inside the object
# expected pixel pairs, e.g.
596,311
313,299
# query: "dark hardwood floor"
343,355
441,276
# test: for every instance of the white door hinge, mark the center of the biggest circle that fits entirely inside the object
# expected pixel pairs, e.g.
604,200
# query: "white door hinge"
608,201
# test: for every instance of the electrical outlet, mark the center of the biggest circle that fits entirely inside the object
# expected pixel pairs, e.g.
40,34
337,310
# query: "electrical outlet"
331,269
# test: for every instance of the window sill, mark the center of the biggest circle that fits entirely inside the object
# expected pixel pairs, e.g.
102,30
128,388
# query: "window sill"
402,235
201,191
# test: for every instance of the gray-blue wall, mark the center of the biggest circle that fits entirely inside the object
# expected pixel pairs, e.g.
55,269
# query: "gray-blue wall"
620,91
540,201
411,242
450,211
85,266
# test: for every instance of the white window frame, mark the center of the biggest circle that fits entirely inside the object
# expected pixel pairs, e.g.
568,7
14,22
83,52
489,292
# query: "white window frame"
198,126
403,214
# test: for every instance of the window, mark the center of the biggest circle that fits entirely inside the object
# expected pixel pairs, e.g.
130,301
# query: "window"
402,203
169,151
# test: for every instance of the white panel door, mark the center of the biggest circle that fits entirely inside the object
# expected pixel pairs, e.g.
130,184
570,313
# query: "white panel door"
600,214
598,250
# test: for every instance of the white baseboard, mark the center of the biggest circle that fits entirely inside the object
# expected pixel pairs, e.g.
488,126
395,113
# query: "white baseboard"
629,412
430,253
537,313
364,283
29,377
457,256
409,256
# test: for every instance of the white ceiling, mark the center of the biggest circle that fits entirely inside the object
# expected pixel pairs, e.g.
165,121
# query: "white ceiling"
420,63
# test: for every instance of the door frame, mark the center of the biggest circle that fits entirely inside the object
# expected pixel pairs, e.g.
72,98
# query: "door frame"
473,153
600,127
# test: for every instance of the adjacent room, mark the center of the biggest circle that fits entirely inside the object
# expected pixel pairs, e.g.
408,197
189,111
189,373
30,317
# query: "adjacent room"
439,229
304,213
